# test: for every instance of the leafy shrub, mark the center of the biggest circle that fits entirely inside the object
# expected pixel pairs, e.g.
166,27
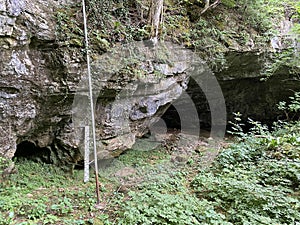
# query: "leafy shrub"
242,152
153,207
291,109
245,199
63,207
278,173
256,179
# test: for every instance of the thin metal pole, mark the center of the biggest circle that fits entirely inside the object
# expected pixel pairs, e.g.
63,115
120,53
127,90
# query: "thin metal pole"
91,99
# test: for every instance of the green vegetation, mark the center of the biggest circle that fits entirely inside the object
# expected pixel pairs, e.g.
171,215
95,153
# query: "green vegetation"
69,30
253,181
291,109
232,25
42,194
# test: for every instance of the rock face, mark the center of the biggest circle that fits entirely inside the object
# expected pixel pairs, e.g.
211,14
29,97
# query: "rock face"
134,85
36,78
244,91
43,85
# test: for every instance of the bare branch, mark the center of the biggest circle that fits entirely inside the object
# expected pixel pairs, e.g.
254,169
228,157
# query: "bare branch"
208,6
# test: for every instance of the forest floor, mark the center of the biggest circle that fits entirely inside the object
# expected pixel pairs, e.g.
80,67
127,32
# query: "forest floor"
182,180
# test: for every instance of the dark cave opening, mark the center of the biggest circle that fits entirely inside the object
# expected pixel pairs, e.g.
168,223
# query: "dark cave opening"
250,97
28,150
172,118
181,114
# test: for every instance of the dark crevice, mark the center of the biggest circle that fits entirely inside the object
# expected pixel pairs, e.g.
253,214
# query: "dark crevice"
9,90
172,118
28,150
36,43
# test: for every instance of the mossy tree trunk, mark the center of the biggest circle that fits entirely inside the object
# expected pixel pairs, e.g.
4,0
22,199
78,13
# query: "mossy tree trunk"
155,17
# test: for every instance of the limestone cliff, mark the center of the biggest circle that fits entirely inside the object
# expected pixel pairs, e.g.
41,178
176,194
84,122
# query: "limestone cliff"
42,65
41,80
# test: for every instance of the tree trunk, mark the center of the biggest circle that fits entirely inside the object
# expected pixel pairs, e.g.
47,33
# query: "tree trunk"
155,17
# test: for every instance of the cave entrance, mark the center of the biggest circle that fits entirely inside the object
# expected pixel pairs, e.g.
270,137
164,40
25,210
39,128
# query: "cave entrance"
28,150
190,112
174,121
172,118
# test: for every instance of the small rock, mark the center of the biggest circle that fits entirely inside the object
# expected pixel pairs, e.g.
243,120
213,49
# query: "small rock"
179,159
125,172
101,205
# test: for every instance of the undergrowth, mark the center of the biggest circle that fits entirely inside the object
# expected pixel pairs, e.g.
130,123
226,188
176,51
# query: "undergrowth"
42,194
253,181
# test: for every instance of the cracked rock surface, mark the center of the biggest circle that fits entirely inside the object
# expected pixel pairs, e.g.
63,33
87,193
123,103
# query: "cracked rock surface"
39,81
